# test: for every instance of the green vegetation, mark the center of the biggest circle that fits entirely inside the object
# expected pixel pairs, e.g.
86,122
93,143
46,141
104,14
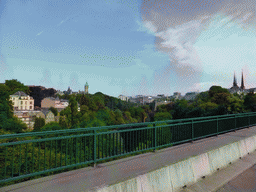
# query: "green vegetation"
98,110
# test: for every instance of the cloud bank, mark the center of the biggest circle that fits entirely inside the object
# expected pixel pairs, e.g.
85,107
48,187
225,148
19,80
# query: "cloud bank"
177,24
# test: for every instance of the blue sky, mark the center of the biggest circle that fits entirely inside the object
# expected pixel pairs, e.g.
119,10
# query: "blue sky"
125,46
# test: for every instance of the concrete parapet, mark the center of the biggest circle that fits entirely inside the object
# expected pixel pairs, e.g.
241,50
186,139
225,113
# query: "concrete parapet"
174,177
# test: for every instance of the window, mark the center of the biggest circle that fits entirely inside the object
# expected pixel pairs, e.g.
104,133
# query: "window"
30,107
21,102
21,108
30,102
25,102
25,107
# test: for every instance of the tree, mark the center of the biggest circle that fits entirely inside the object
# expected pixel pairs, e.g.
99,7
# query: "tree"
51,126
216,90
221,99
62,122
54,111
250,101
161,116
39,123
74,110
104,116
99,102
208,106
84,100
14,85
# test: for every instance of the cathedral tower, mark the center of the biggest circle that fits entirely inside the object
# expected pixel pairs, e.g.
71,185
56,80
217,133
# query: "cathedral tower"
235,83
242,83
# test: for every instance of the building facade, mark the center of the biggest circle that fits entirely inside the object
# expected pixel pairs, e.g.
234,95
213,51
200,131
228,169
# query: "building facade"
22,101
123,98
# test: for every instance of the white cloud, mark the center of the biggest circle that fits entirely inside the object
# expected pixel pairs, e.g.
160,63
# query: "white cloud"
39,33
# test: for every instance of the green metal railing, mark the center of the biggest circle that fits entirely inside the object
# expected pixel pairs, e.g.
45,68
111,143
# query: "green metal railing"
29,154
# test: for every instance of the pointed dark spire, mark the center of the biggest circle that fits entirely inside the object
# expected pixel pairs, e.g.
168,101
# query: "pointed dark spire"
242,83
234,83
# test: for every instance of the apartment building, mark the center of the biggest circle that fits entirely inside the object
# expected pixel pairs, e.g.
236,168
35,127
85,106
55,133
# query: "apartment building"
22,101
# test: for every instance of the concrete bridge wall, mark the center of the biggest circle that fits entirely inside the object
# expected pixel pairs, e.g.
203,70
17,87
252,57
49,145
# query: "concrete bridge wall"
187,171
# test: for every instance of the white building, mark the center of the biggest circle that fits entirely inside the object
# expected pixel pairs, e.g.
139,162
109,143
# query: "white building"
22,101
123,98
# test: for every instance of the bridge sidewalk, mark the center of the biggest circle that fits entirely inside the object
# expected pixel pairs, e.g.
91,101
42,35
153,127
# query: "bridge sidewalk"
120,170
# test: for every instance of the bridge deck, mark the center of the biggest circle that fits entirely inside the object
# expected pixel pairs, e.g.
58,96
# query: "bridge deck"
120,170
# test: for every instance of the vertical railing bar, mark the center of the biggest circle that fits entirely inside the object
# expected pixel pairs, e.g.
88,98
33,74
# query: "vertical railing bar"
51,156
5,162
12,158
94,148
217,126
109,145
61,153
26,158
39,156
44,153
120,141
193,131
102,147
136,137
76,149
55,153
130,134
84,148
20,160
81,142
71,150
235,122
66,159
33,158
155,144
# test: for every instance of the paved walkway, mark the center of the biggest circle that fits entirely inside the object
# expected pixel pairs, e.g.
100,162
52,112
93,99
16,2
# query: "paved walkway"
121,170
246,181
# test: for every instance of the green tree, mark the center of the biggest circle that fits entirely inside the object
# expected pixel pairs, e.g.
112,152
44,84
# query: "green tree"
51,126
54,111
39,123
104,116
161,116
62,122
208,106
250,101
217,90
84,109
84,99
99,102
8,121
14,85
73,112
221,99
236,104
119,117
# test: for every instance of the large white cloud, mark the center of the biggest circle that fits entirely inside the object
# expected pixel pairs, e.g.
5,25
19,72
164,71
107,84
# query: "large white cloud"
178,24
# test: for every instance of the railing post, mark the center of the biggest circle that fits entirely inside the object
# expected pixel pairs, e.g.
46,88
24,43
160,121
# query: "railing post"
217,127
94,148
192,131
249,121
235,123
154,125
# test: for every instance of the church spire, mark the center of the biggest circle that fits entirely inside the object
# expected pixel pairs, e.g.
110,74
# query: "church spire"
234,83
242,83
